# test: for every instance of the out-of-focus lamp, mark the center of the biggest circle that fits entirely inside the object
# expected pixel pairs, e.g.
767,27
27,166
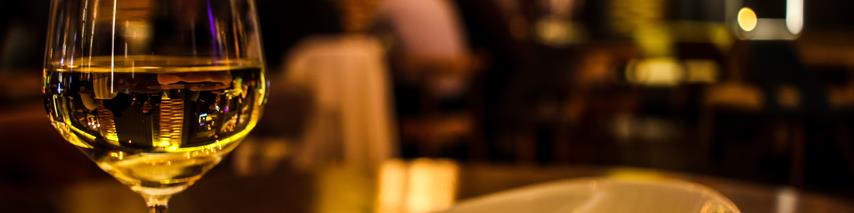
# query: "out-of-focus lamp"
749,24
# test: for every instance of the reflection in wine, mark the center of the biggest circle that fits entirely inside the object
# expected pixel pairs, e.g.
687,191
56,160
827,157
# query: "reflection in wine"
157,129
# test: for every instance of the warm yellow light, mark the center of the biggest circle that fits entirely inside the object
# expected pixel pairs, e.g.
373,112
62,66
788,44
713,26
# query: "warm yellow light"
655,72
634,174
424,185
391,194
432,185
747,19
701,71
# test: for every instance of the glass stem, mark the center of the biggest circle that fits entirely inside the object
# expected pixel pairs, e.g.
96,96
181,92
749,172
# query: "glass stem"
157,204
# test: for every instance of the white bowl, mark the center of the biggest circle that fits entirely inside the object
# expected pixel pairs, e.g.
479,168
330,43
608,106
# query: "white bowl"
603,195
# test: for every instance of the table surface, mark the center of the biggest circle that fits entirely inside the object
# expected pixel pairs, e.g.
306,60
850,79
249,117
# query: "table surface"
40,173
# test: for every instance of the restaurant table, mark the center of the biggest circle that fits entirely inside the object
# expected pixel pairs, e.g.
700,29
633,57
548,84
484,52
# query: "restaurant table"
41,173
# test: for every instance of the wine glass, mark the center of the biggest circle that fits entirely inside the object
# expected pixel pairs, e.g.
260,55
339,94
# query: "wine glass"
156,92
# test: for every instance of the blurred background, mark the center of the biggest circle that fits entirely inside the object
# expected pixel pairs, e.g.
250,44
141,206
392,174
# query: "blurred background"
760,91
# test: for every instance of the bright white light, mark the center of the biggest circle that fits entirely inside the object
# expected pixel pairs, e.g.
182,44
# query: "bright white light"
795,16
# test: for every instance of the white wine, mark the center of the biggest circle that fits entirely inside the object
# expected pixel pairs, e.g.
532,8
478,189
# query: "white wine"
155,123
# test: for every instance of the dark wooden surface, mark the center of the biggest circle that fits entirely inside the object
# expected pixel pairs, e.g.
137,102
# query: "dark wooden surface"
41,173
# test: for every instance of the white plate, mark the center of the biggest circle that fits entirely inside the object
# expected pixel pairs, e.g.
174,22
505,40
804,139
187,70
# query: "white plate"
603,195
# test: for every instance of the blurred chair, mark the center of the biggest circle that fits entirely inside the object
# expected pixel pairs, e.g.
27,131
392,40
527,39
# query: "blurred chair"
433,71
730,97
774,105
444,114
744,103
352,118
830,54
841,100
429,44
841,97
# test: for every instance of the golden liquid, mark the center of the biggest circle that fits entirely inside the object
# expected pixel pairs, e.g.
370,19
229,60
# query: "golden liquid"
156,124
